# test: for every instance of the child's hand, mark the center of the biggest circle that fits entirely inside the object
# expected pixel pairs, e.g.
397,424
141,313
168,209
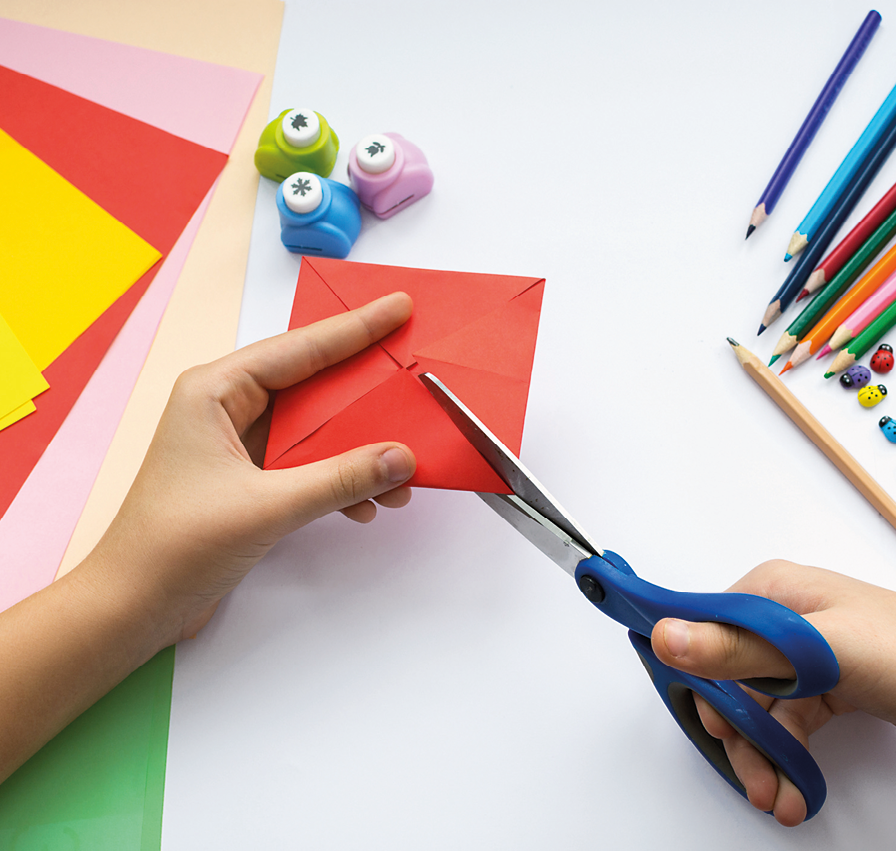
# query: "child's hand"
859,622
201,513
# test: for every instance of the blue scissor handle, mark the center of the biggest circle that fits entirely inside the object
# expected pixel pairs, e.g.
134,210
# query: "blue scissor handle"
612,586
744,714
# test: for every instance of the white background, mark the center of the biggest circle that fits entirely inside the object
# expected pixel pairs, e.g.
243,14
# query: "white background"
431,681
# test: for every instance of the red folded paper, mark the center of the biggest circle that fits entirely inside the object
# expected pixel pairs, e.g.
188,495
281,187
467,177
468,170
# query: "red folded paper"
475,332
146,178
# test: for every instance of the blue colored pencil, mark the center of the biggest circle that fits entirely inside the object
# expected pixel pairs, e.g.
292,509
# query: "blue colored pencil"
861,179
837,184
813,121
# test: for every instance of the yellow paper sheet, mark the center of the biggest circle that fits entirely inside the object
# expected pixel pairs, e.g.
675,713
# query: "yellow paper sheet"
20,379
17,414
65,259
243,34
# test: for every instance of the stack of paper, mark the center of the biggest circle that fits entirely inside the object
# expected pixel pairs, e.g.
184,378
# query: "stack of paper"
110,157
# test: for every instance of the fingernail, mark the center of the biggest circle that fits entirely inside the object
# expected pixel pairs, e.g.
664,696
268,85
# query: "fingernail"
398,467
677,637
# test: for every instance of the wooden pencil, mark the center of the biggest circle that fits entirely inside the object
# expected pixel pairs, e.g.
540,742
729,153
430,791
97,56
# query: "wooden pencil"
816,432
852,242
864,341
836,186
813,121
838,214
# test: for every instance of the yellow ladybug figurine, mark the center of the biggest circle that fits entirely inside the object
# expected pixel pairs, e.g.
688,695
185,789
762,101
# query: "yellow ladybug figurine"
869,396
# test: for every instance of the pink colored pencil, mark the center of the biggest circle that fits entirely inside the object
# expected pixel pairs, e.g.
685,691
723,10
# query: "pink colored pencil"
851,243
865,314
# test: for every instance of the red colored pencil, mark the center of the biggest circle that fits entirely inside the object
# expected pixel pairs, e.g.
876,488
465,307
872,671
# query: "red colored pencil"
851,243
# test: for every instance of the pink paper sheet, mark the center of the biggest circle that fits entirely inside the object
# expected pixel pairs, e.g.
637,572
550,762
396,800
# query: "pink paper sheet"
198,101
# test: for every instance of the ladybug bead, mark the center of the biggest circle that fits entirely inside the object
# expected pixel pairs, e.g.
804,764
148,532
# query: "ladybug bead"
882,359
871,395
856,377
888,427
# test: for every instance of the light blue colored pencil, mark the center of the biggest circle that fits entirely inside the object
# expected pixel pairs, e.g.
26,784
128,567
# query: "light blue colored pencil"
859,152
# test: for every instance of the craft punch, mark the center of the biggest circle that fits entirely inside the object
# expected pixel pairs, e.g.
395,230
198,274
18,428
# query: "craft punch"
388,173
318,216
297,140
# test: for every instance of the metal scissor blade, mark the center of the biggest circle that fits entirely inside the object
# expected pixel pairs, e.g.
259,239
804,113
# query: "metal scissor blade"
538,530
506,464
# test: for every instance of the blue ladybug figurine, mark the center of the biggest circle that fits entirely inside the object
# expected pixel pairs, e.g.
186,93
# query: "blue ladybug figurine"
856,377
318,216
888,427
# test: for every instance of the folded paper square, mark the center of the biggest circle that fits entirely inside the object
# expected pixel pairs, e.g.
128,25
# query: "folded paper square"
475,332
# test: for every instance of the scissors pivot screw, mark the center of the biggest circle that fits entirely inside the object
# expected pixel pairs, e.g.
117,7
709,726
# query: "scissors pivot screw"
591,589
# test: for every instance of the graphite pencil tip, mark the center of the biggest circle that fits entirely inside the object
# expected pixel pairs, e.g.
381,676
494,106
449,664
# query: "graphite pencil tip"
732,342
750,230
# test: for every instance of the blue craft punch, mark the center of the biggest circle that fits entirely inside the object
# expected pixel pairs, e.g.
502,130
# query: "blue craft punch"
318,216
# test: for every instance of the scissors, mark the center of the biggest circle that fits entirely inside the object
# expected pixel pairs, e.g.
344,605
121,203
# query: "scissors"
611,585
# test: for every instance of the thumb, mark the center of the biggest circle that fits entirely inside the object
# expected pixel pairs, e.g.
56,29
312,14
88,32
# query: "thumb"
314,490
717,651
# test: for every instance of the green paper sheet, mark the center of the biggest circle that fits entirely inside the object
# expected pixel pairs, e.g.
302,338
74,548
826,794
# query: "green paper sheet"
99,785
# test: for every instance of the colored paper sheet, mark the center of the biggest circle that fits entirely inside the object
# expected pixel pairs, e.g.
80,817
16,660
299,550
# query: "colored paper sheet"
65,259
38,525
15,415
202,102
238,33
476,333
20,379
155,200
96,784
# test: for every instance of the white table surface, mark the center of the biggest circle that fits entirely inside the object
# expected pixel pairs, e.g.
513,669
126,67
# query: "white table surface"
431,681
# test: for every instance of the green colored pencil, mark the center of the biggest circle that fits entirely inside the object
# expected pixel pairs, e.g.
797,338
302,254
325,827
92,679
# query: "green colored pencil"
838,285
858,346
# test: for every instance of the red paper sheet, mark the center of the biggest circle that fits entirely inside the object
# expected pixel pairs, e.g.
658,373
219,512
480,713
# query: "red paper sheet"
475,332
146,178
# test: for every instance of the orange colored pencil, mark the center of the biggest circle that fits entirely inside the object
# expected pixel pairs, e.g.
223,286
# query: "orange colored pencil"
824,329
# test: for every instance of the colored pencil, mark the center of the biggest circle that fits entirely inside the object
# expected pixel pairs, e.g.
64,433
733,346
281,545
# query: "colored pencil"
813,121
838,285
865,314
852,242
822,331
838,214
816,432
867,142
864,341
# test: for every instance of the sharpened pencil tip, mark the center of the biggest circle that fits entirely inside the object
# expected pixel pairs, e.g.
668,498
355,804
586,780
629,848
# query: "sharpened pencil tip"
774,358
750,230
826,350
828,374
761,329
802,295
787,366
732,342
788,257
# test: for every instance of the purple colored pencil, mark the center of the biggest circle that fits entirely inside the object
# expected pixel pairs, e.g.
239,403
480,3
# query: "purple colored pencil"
813,120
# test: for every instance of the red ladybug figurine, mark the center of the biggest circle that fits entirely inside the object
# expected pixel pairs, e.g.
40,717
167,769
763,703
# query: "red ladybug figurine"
882,359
